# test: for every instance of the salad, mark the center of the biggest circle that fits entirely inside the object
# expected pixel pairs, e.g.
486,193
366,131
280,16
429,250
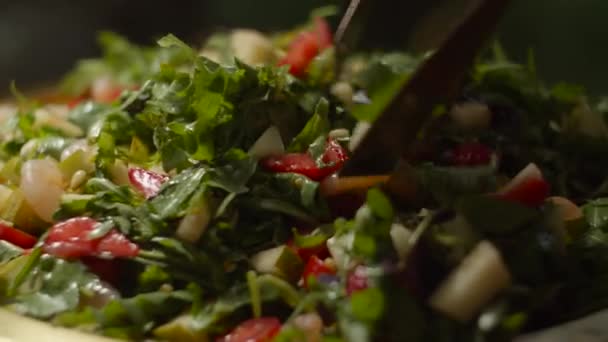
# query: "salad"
190,194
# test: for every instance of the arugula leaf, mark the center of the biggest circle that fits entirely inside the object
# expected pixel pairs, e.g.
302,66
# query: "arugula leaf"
8,251
52,287
173,199
318,125
382,79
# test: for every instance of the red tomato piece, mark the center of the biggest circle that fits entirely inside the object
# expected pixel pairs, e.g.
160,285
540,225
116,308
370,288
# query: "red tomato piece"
334,158
335,155
316,267
307,46
470,154
16,237
528,187
357,280
147,182
72,103
254,330
70,240
301,52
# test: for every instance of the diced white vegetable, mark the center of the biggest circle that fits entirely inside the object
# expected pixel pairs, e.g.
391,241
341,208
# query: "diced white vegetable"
339,133
265,261
28,149
78,178
471,115
252,47
343,91
42,186
338,247
56,117
474,283
359,133
401,240
211,54
568,211
531,171
268,144
103,89
311,325
194,224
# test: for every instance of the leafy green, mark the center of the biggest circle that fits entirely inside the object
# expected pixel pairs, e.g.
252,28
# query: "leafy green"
317,126
51,287
382,79
8,251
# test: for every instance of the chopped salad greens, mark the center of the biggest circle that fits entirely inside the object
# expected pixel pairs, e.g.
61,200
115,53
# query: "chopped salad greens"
186,194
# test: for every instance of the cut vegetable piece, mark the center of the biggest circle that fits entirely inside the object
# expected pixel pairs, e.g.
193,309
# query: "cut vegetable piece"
567,209
194,224
146,182
332,160
281,261
16,236
471,115
42,186
357,280
316,267
570,214
252,47
306,46
401,240
474,283
528,187
104,90
359,133
19,212
71,239
311,325
261,329
339,248
268,144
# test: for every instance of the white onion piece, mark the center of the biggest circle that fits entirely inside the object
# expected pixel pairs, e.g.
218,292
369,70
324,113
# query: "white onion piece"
401,240
268,144
529,172
194,225
252,47
80,144
568,211
339,248
474,283
311,325
359,133
56,117
42,186
103,89
471,115
343,91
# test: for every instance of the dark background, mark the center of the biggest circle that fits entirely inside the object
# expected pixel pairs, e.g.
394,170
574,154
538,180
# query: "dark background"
41,39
